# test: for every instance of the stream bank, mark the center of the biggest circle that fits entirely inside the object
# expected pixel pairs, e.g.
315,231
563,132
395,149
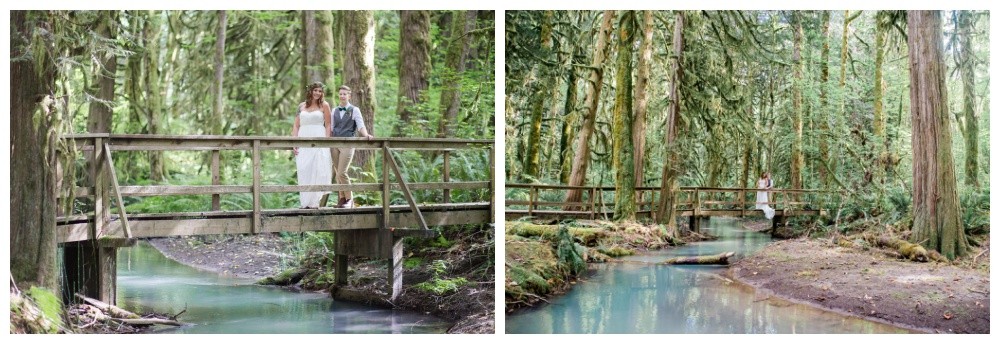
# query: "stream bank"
471,307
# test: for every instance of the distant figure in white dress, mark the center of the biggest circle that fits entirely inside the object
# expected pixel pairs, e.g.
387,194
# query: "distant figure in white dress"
314,164
764,183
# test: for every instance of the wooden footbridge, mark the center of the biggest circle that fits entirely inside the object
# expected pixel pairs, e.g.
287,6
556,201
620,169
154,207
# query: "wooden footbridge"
91,239
696,203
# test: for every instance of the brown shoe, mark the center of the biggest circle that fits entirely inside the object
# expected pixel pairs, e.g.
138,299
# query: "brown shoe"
340,202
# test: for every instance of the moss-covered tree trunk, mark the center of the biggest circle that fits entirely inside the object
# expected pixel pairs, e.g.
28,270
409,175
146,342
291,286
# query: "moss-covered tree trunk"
218,98
966,66
581,152
414,64
542,87
671,167
622,147
359,70
936,215
797,158
571,116
32,152
644,61
153,93
824,106
451,82
317,52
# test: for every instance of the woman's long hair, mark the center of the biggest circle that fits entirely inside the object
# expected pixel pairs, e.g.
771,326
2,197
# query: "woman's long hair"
309,90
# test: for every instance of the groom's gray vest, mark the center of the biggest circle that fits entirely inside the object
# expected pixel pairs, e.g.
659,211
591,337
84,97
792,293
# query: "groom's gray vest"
343,122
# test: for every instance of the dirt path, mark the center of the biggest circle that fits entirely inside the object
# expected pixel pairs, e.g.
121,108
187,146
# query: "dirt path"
937,298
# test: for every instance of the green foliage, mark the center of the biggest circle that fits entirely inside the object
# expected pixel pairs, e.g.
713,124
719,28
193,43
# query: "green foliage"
438,285
412,262
975,205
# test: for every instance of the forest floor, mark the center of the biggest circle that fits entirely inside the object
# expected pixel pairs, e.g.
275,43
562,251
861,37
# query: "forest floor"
258,256
875,284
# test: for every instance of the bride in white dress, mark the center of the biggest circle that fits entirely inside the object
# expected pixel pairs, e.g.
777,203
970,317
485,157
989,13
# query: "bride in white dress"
764,183
315,165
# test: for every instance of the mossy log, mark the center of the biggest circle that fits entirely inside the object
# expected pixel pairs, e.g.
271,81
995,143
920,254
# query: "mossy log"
587,236
907,249
721,258
287,277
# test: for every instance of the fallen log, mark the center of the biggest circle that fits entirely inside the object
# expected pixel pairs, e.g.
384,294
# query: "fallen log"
911,251
113,313
721,258
110,310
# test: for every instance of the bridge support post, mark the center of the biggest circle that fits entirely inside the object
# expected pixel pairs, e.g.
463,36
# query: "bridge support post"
91,270
776,221
376,243
694,222
396,268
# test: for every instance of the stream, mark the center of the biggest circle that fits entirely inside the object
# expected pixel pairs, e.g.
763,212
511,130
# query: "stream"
151,282
636,295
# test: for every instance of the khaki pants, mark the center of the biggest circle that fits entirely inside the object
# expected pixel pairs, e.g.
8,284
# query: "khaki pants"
341,161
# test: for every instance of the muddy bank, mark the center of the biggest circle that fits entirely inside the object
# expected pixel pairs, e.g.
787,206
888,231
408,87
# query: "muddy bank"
471,307
930,297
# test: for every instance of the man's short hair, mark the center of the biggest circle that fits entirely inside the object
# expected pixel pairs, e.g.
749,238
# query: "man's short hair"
344,87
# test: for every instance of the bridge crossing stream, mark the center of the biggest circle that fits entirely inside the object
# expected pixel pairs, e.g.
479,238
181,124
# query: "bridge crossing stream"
638,296
151,282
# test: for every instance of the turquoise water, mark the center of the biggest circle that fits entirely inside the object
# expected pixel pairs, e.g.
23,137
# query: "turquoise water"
150,282
638,296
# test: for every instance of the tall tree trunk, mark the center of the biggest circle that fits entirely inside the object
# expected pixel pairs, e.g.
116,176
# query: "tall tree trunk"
414,64
966,66
542,86
218,99
641,100
936,214
824,121
797,159
451,93
32,153
318,46
359,69
100,114
672,166
622,150
571,116
581,154
153,93
878,88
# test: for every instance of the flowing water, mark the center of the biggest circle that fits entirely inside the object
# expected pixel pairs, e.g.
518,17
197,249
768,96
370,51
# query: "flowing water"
639,296
150,282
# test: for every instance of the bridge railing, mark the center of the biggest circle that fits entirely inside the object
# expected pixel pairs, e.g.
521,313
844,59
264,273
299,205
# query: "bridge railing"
105,188
598,201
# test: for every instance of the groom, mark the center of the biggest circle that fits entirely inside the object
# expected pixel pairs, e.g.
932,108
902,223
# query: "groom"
346,122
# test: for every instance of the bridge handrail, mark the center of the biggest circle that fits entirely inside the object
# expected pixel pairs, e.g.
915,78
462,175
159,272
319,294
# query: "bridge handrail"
692,195
126,142
100,147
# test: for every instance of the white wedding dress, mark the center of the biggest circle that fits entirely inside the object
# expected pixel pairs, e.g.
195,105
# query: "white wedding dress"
762,199
314,164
